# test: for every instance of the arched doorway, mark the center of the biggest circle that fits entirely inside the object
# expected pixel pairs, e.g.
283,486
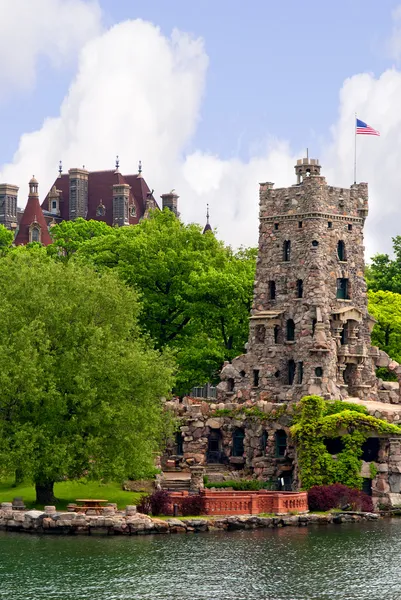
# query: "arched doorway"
214,447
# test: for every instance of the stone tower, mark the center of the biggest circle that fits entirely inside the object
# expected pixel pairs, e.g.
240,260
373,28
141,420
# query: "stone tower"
309,325
170,201
8,205
78,193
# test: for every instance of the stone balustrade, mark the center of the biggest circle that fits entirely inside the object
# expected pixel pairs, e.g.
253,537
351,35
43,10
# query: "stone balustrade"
224,502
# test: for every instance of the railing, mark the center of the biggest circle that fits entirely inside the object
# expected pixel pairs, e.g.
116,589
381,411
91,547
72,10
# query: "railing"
249,503
207,391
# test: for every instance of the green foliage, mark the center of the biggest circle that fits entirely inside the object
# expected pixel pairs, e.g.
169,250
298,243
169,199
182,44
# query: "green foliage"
196,294
80,389
373,470
337,406
385,307
384,273
385,374
317,422
254,413
240,485
6,239
68,236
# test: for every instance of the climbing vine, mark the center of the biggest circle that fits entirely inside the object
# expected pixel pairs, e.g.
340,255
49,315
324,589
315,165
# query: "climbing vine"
319,420
254,412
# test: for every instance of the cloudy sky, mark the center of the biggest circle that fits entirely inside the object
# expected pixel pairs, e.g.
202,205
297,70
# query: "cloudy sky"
212,96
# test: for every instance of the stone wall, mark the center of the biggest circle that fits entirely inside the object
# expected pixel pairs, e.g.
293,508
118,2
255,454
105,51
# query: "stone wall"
260,458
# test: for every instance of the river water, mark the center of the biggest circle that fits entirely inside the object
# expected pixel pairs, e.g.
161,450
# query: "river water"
343,562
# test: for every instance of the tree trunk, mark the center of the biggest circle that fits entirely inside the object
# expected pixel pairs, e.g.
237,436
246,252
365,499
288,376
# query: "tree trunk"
19,477
45,493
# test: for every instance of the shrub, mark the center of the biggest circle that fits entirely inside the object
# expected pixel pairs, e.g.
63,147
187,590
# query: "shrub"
326,497
157,503
193,505
241,485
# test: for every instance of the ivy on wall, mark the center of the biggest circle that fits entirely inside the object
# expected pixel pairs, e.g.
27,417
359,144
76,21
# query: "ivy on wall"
319,420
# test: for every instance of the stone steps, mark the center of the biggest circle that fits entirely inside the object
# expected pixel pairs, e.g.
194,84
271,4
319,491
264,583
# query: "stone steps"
175,485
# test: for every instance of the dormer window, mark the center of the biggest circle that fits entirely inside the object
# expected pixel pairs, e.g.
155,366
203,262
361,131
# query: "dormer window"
101,210
34,234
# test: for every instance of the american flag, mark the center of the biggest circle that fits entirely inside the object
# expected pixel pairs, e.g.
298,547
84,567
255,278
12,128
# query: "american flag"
365,129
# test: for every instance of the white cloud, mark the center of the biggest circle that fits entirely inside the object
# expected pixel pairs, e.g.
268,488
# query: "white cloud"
35,29
138,94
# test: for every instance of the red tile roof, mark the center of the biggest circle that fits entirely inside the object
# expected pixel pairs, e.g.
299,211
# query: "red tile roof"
32,214
100,188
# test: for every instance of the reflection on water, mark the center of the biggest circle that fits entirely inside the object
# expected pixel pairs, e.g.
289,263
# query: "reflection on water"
346,562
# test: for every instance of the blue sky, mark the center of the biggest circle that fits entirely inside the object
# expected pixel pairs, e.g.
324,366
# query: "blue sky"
275,67
269,80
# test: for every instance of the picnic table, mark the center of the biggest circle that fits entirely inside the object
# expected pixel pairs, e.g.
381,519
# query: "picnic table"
96,504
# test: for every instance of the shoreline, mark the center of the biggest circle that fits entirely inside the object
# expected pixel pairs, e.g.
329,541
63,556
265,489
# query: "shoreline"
129,522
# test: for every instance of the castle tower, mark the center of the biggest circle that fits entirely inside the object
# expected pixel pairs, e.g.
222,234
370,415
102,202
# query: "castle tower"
309,324
8,205
78,193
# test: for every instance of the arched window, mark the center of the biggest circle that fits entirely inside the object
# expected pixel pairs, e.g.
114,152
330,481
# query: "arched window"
290,330
35,234
276,334
263,442
341,250
287,250
272,290
291,371
300,288
281,443
260,334
238,442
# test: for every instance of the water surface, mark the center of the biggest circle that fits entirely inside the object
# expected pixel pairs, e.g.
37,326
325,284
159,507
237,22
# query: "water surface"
344,562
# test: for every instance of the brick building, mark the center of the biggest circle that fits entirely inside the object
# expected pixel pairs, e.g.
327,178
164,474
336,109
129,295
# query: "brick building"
107,196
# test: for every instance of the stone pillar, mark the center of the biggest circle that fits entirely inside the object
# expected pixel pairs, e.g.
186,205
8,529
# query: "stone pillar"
196,484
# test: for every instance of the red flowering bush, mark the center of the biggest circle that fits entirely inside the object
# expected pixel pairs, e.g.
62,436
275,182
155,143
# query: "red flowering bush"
157,503
326,497
193,505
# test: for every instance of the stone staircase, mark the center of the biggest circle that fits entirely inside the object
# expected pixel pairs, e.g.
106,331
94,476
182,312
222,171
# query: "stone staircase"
175,482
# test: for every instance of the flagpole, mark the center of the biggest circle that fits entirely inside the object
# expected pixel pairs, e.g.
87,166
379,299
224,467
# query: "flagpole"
355,150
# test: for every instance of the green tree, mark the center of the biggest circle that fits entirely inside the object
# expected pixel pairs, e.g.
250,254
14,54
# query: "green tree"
6,239
385,307
67,236
384,273
195,292
80,389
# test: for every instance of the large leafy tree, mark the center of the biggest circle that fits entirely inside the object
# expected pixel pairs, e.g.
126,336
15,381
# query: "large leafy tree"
384,273
80,389
6,239
385,307
67,236
195,292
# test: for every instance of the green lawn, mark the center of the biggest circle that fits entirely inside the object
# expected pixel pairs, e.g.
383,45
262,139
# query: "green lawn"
69,491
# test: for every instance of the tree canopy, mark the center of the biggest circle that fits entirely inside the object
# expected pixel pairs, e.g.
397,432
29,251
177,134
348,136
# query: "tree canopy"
80,388
384,273
195,292
67,236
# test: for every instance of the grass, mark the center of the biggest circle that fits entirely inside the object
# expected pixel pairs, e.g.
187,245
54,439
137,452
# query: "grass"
69,491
